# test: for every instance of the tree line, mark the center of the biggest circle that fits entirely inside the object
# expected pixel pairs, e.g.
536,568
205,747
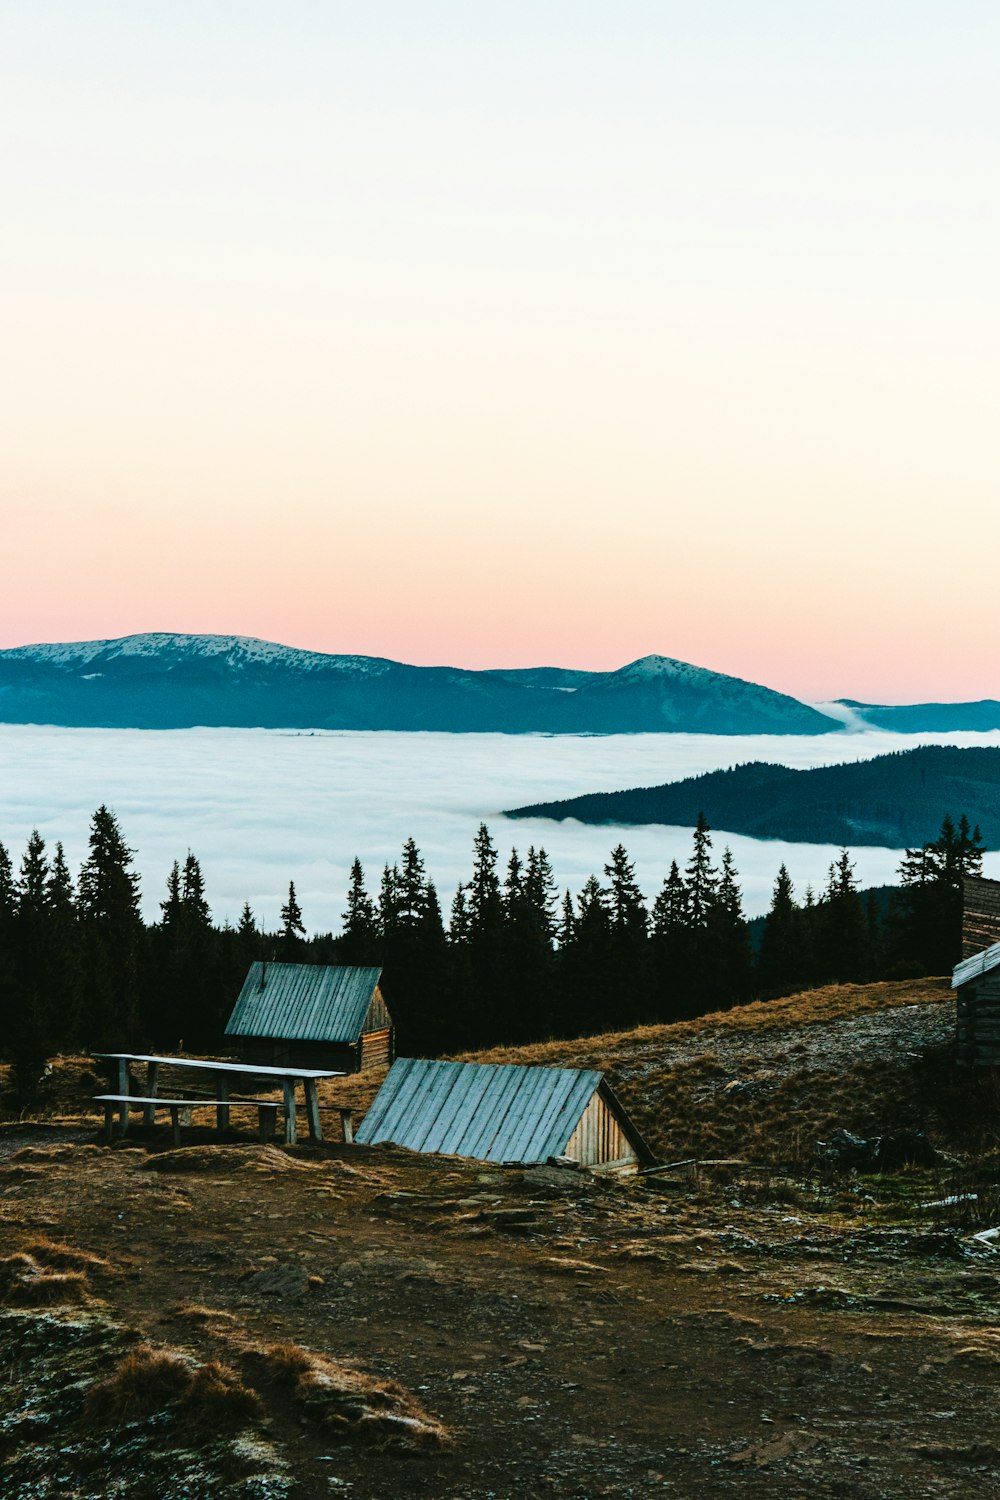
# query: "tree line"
515,961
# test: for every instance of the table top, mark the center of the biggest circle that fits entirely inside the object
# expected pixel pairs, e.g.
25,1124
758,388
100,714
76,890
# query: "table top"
248,1069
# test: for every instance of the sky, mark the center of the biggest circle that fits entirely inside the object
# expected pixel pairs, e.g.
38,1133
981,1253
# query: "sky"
555,332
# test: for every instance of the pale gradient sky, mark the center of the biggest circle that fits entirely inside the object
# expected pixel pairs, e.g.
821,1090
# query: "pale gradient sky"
501,334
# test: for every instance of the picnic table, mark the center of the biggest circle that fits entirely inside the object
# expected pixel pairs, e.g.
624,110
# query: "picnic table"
221,1074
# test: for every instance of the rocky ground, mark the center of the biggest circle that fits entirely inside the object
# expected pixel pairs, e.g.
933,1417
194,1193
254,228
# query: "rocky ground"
458,1330
771,1318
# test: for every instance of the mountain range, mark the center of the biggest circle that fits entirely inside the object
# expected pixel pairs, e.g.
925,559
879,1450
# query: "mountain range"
163,681
175,681
894,801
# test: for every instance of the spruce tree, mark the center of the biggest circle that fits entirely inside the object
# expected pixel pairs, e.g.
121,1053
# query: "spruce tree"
111,932
729,958
292,926
64,952
359,944
780,963
32,1039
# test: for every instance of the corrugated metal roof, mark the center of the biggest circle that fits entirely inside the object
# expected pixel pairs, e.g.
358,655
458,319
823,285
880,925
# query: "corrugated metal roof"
303,1002
979,963
487,1111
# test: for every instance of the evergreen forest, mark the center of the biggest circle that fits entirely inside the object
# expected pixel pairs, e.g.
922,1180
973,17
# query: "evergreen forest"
514,961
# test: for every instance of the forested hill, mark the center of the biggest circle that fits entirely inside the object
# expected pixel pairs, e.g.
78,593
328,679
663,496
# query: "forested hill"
894,800
162,681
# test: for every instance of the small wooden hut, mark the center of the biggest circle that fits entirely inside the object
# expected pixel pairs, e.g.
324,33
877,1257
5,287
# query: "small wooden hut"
976,982
980,914
312,1016
502,1113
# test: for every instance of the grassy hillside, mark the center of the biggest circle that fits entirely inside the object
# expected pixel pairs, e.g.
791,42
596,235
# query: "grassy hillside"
767,1080
893,800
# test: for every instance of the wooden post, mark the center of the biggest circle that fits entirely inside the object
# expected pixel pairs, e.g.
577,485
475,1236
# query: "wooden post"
265,1124
123,1088
347,1126
149,1113
109,1124
175,1124
222,1110
312,1109
289,1090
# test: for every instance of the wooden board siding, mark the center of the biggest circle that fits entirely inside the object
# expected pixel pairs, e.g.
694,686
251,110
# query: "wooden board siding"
978,1021
980,914
598,1138
378,1017
376,1048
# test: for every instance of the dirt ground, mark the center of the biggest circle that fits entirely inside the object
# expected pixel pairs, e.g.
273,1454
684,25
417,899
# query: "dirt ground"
727,1334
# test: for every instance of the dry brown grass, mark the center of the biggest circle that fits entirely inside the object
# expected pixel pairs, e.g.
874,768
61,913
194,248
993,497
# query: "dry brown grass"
197,1312
63,1257
351,1404
150,1380
24,1283
834,1002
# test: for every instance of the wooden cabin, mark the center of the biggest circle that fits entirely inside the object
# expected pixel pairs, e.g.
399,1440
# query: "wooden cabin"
312,1016
501,1113
976,982
980,914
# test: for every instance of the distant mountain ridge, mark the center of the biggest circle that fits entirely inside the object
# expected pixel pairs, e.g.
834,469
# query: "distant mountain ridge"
170,681
927,718
895,800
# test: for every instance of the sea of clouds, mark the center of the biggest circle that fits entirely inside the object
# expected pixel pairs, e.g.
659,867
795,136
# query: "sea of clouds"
262,807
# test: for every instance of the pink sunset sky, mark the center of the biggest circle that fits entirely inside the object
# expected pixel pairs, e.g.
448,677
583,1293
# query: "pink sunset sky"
550,333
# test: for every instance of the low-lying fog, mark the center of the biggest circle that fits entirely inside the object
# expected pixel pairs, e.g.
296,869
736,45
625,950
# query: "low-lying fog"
262,807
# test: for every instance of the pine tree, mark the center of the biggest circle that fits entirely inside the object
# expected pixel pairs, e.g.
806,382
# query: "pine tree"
292,927
110,935
780,964
64,952
359,944
388,902
31,1040
925,921
701,878
842,938
729,958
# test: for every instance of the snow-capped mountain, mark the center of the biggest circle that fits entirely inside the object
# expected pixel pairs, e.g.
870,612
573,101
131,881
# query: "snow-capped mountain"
168,681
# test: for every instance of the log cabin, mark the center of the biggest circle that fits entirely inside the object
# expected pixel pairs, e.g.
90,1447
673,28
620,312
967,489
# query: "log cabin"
502,1113
312,1016
976,982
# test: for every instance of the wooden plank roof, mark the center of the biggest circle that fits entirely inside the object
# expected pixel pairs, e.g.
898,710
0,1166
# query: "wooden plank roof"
979,963
486,1111
304,1002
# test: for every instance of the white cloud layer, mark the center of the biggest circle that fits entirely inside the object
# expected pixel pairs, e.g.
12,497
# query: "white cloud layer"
262,807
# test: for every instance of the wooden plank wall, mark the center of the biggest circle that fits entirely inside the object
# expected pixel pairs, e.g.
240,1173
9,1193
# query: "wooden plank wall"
376,1048
598,1137
978,1021
980,914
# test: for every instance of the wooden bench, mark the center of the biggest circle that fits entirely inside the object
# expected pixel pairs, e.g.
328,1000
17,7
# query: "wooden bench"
267,1111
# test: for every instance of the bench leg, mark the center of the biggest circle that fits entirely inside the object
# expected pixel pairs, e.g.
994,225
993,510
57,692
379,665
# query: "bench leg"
290,1134
123,1088
265,1125
312,1109
347,1126
107,1134
222,1110
175,1124
149,1112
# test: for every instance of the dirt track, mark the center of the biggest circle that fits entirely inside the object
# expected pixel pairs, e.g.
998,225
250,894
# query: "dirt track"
578,1338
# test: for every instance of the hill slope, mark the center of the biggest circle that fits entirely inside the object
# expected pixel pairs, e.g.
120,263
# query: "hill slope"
767,1080
163,681
892,800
